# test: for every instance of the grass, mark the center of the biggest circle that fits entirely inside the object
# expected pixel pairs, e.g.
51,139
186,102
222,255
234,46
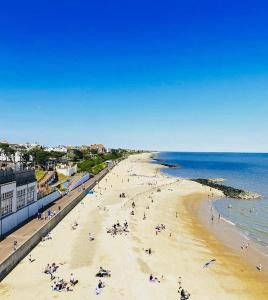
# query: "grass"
96,169
62,177
39,174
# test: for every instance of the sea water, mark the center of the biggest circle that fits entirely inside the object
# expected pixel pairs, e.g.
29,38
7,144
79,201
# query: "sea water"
248,171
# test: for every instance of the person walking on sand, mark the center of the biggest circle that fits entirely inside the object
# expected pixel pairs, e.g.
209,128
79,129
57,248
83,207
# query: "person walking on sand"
259,267
99,287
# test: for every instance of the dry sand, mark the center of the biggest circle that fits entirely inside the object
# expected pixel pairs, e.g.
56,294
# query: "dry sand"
182,254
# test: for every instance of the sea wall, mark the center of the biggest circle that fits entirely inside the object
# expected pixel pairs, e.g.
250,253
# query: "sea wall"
9,223
11,261
160,162
228,191
82,180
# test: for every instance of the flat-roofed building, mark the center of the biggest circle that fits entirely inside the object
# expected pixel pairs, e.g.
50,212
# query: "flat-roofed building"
18,189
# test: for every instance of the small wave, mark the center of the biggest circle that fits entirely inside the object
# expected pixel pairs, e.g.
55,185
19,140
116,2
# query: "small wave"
228,221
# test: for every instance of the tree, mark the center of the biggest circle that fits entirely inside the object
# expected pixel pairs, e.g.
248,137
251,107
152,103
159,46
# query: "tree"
25,156
74,154
8,151
39,156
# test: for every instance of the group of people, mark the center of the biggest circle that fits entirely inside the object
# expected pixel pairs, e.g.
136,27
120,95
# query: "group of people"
103,273
184,295
117,228
148,251
244,245
122,195
153,278
75,225
59,284
46,215
51,269
159,228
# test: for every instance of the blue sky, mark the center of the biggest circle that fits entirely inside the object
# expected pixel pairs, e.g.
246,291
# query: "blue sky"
165,75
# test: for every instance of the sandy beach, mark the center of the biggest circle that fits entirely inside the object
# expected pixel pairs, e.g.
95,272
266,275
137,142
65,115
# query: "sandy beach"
180,248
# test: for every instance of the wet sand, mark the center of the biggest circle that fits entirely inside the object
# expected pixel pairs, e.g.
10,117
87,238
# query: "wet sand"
228,234
180,250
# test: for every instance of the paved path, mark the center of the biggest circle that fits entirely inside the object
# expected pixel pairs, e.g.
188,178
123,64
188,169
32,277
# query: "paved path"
24,232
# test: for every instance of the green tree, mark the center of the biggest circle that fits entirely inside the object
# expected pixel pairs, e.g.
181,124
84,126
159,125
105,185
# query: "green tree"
39,155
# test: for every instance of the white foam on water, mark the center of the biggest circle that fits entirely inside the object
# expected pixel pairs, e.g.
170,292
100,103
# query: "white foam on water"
228,221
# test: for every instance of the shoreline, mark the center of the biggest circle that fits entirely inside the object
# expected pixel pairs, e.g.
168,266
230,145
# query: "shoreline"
232,237
227,233
229,236
179,250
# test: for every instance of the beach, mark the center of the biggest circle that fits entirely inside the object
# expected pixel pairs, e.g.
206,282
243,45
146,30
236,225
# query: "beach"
164,219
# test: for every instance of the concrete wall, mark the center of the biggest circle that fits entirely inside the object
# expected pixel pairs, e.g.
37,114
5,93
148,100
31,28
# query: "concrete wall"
11,261
10,222
82,180
22,215
42,202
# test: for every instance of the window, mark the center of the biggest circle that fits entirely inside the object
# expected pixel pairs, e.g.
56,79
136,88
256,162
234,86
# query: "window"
21,198
6,203
30,196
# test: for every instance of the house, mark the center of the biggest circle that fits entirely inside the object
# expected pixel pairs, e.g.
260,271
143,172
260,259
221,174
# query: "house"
66,170
59,148
99,148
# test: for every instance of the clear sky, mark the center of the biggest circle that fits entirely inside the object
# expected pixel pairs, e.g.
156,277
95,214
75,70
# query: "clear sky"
164,75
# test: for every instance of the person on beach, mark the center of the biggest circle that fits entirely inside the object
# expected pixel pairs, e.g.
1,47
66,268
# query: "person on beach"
90,237
149,251
184,295
99,287
31,259
15,244
73,280
153,279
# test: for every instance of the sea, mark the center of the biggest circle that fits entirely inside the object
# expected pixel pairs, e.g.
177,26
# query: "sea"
248,171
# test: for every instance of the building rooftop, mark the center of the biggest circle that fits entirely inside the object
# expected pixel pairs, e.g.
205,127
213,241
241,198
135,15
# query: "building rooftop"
21,177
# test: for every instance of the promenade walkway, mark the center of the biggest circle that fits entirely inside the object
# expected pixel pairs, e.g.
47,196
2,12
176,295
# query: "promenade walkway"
23,233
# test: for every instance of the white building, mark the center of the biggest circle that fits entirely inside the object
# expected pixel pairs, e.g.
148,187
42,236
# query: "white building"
60,148
30,146
16,155
18,199
17,190
66,170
